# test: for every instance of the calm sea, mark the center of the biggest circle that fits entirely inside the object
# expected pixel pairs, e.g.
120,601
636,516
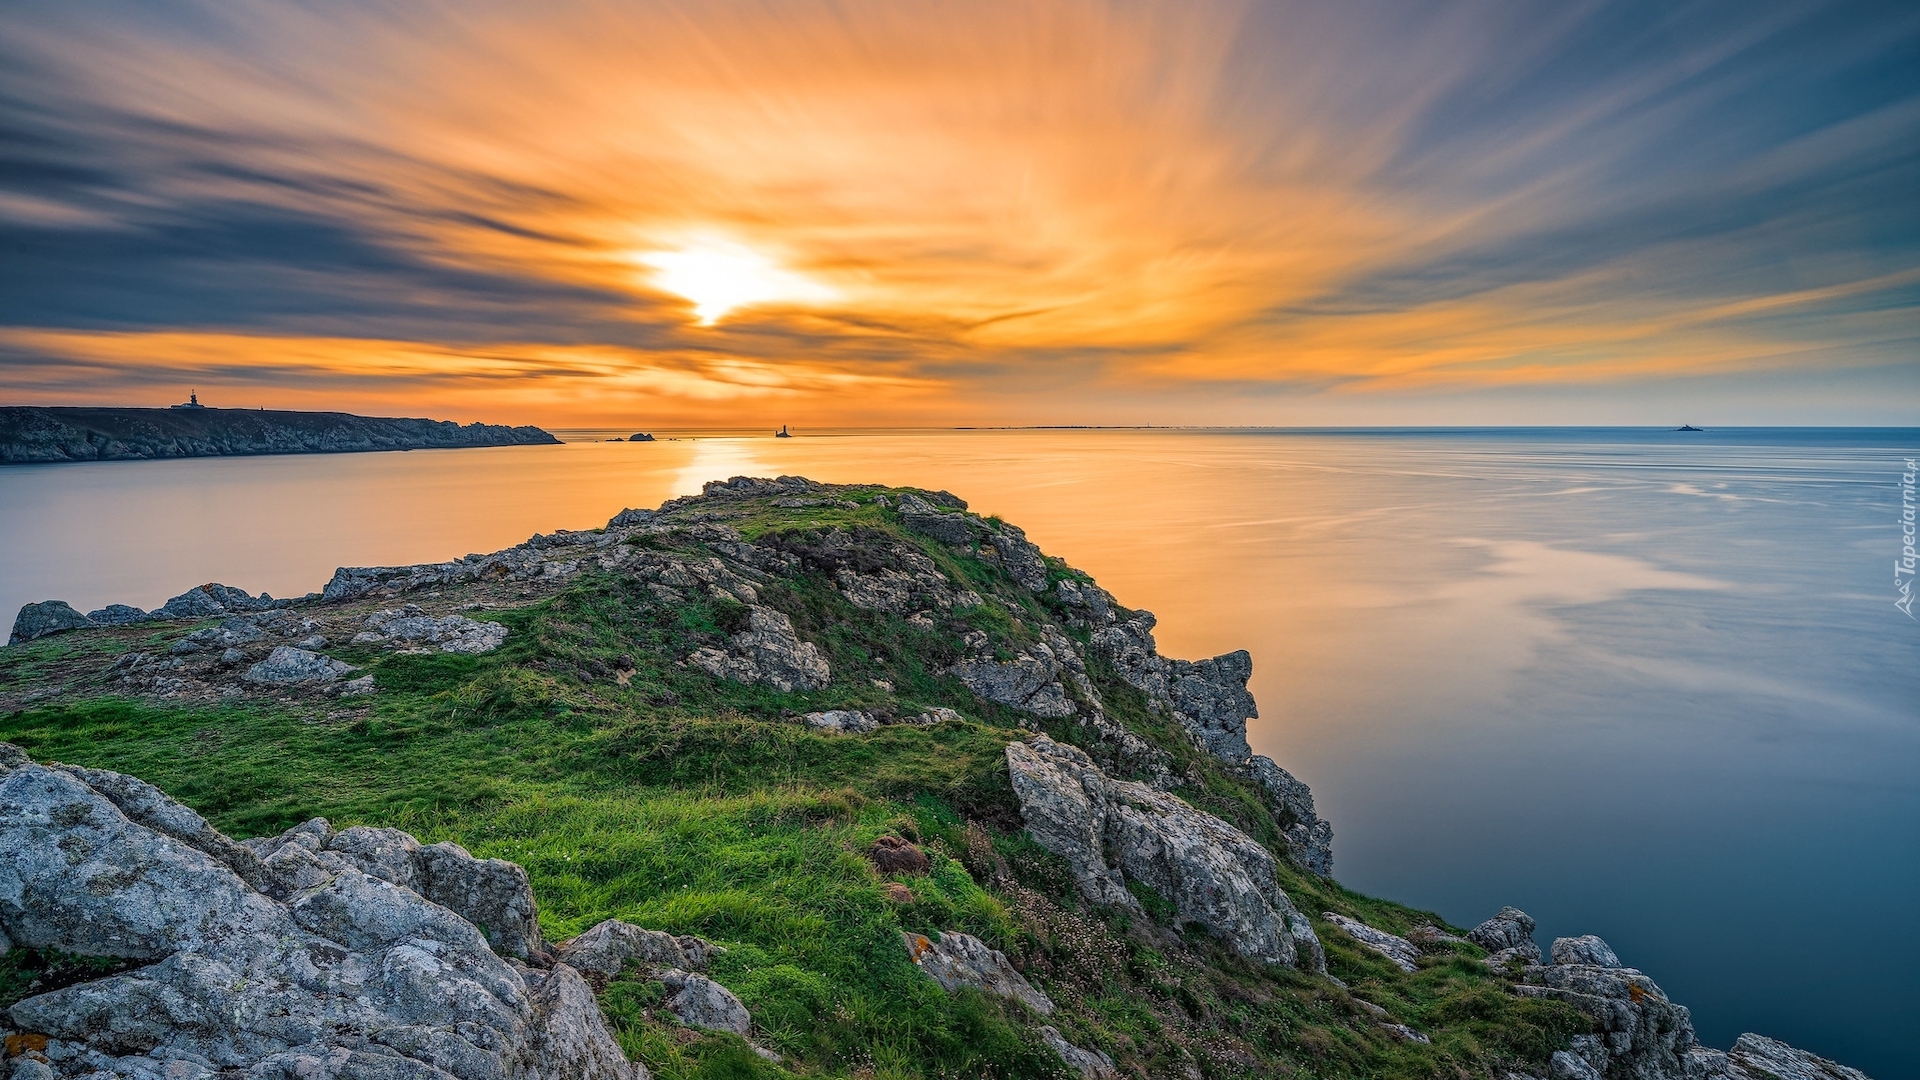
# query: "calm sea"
1643,684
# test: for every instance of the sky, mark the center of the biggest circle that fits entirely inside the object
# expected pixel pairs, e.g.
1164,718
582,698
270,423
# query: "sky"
896,213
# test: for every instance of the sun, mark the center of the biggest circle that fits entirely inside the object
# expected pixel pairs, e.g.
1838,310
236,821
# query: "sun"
720,276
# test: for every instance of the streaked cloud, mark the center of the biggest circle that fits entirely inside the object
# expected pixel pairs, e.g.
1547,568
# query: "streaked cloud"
1067,211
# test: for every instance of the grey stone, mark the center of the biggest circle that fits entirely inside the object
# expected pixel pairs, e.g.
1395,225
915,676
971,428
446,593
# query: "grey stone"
958,961
46,617
1638,1033
1022,560
1208,697
1586,949
841,721
1309,838
359,687
1112,831
349,976
1566,1065
1397,949
1089,1064
448,633
700,1002
1507,937
1756,1057
117,615
287,666
767,652
607,947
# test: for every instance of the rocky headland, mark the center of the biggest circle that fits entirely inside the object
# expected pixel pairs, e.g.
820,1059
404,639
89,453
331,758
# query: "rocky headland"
781,779
30,434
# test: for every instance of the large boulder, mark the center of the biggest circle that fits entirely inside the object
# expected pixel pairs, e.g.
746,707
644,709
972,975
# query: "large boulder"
288,666
957,961
1507,936
1112,832
46,617
1585,949
349,975
1639,1034
609,945
448,633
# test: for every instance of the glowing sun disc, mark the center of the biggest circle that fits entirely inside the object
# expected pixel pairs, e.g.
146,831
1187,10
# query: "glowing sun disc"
720,276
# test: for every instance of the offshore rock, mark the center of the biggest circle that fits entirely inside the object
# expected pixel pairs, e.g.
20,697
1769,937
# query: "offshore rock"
46,617
1402,952
767,652
1507,936
287,666
957,961
350,975
1114,831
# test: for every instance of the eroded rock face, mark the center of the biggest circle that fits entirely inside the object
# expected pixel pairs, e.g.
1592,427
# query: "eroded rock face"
767,652
1019,556
608,946
1756,1057
958,961
1640,1034
46,617
1111,832
1309,838
1507,936
1585,949
1208,697
321,970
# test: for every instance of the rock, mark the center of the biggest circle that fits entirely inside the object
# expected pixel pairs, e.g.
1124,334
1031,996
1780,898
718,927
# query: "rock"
1756,1057
1309,839
767,652
1208,697
1030,682
957,961
629,518
349,977
1566,1065
922,517
1405,1033
841,721
1397,949
1113,831
287,666
1507,936
450,633
46,617
117,615
1432,936
360,687
1586,949
1638,1033
607,947
212,599
700,1002
1090,1064
1022,560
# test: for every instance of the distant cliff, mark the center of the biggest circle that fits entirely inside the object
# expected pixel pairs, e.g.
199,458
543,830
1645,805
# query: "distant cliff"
34,434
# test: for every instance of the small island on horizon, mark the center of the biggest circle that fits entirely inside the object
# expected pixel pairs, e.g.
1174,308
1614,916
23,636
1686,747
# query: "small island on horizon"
36,434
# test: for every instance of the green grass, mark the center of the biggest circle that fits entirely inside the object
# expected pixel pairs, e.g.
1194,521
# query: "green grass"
694,806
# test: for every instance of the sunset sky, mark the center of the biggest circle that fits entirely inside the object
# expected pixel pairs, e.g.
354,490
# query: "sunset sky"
718,213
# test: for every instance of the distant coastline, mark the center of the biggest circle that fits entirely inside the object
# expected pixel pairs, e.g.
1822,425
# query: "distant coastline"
43,434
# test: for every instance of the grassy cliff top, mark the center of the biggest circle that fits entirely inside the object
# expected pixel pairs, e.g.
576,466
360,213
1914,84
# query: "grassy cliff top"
598,749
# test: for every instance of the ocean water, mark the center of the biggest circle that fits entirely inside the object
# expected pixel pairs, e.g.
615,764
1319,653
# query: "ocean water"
1643,684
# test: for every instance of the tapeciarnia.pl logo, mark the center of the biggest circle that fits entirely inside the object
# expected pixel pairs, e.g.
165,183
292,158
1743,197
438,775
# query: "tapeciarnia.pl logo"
1903,567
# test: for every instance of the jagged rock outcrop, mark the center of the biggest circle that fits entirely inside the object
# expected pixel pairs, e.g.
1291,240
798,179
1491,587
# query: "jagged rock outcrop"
1111,832
768,652
1639,1033
921,516
959,961
1019,557
1507,936
287,958
1309,838
288,666
1756,1057
1402,952
46,617
412,627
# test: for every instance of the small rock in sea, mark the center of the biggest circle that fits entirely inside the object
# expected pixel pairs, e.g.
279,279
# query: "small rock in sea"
46,617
